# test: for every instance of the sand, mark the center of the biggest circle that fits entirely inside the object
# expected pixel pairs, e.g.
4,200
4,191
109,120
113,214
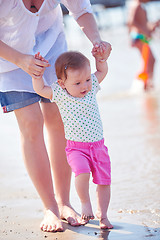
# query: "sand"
132,134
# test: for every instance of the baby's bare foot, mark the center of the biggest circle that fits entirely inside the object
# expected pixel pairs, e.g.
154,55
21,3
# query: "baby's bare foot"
51,223
104,223
87,212
71,216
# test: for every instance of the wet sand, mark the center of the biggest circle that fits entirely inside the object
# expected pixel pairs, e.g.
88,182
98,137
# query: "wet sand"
132,133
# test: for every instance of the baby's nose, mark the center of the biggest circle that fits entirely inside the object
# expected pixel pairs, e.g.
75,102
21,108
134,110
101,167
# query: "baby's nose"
85,85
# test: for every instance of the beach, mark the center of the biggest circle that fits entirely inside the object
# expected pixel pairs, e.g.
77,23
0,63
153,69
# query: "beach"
131,122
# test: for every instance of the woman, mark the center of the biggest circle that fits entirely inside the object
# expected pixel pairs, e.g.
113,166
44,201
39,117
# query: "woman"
26,27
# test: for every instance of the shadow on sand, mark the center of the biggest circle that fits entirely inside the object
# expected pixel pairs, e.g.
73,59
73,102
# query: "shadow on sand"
121,231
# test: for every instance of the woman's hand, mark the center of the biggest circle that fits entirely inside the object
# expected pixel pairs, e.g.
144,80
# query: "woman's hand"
31,65
101,50
34,67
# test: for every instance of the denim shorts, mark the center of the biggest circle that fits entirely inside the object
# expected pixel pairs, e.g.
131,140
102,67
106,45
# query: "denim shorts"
13,100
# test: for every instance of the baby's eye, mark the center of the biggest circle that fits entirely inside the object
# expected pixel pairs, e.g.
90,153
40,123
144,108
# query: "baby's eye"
77,83
88,80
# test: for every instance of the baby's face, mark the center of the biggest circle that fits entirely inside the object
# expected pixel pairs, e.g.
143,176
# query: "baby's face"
78,82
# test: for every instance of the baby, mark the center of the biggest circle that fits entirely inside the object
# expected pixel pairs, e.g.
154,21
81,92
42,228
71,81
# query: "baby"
75,95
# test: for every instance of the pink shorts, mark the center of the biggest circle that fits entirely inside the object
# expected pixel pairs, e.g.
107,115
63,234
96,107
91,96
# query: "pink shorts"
86,157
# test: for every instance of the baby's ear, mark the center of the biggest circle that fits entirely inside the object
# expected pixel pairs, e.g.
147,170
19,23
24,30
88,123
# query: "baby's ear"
61,83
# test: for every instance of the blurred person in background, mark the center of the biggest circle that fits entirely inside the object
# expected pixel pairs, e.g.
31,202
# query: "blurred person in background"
140,31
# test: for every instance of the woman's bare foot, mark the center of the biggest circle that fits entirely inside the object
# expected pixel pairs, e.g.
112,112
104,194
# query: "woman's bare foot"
87,212
71,216
104,223
51,223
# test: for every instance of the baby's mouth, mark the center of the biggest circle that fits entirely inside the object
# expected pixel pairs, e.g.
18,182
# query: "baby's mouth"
84,92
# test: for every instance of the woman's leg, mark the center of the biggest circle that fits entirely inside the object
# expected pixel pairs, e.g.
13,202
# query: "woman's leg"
60,167
30,122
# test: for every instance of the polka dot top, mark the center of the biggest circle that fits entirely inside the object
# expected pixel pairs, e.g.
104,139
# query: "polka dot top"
81,118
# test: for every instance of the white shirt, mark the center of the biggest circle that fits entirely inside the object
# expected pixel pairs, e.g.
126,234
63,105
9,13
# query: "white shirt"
81,117
30,32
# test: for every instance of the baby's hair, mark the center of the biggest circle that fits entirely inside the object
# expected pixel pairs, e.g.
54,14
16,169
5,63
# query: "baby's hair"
69,60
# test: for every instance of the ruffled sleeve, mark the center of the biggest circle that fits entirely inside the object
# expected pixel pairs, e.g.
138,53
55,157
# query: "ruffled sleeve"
55,89
95,83
77,7
6,6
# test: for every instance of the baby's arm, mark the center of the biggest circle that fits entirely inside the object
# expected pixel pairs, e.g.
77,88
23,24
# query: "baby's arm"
40,88
101,66
38,83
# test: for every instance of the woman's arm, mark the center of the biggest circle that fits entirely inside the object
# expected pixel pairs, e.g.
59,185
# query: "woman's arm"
81,10
88,25
28,63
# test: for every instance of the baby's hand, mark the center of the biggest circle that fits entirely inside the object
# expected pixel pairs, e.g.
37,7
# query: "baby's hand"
38,56
101,51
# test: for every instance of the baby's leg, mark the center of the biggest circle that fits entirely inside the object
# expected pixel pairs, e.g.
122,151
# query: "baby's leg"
82,187
103,198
